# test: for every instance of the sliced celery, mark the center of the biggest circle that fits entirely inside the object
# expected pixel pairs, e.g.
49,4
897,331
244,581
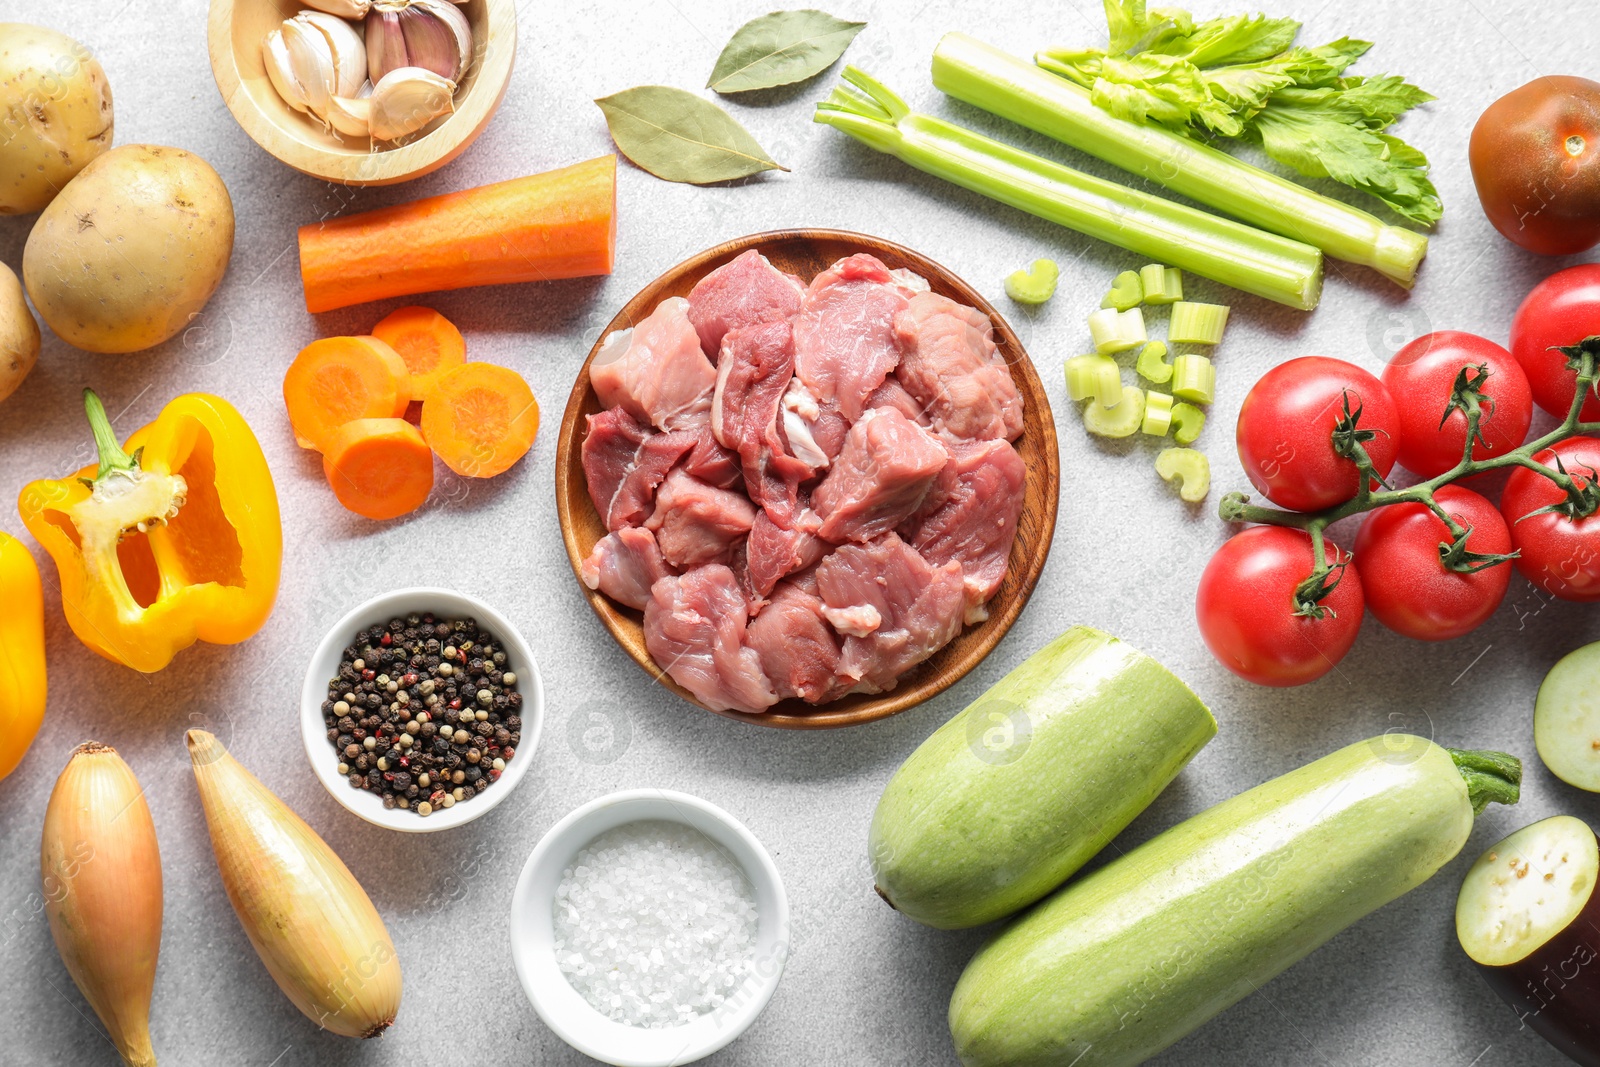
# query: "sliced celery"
1190,465
1126,292
1096,378
1157,413
1197,324
1116,331
1194,378
1152,365
1189,421
1162,285
1120,421
1034,285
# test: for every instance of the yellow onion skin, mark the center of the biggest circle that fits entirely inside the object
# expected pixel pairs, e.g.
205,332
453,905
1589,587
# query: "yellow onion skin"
309,919
100,870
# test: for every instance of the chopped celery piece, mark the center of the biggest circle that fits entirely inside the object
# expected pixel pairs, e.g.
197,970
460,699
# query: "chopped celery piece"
1157,413
1197,324
1126,292
1162,285
1189,464
1193,378
1094,378
1034,285
1189,420
1116,331
1120,421
1152,365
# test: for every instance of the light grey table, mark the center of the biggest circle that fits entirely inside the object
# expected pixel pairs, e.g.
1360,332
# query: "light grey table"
864,986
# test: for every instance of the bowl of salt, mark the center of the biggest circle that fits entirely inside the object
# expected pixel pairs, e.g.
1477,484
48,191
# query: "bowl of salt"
649,928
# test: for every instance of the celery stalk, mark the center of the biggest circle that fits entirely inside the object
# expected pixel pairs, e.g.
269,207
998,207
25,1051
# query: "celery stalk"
1116,331
1157,413
1267,265
1194,378
1123,420
1197,324
1015,89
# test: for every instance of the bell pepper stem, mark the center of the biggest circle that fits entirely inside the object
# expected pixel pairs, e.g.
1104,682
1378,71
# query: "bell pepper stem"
112,457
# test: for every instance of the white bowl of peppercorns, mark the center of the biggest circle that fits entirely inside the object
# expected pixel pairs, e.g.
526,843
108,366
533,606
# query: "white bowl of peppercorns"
421,709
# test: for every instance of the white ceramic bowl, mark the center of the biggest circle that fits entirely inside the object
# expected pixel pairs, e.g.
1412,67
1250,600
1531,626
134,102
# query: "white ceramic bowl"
448,604
533,933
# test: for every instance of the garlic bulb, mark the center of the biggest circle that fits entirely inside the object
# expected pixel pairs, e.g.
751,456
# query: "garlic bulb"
101,871
309,919
313,58
351,116
406,100
431,34
345,9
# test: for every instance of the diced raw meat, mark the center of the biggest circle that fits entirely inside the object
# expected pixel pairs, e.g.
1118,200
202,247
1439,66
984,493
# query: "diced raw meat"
879,478
696,523
624,565
773,552
708,460
623,462
695,630
919,608
857,620
799,654
752,376
656,371
891,394
970,516
845,343
745,292
950,365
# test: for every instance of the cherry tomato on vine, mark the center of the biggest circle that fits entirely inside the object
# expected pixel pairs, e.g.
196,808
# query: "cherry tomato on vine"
1421,377
1407,585
1247,612
1560,553
1286,428
1562,310
1535,157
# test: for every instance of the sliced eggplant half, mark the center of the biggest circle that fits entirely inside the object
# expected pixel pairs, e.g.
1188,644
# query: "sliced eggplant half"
1529,917
1566,719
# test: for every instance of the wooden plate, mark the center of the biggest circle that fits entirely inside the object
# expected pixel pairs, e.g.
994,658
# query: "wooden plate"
805,253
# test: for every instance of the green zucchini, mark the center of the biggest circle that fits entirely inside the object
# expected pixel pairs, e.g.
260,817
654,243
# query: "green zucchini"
1009,798
1114,968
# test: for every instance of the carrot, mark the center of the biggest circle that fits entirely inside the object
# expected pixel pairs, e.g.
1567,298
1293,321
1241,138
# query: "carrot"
338,379
379,468
560,224
480,419
428,342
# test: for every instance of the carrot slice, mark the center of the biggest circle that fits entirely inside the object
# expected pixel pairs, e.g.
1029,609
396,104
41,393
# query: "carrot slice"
379,468
338,379
480,419
428,342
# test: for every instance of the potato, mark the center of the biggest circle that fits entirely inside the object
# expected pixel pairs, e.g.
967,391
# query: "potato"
131,250
56,105
19,334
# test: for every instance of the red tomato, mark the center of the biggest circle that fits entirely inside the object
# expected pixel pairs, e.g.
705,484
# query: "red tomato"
1285,433
1562,310
1560,555
1409,588
1246,609
1420,378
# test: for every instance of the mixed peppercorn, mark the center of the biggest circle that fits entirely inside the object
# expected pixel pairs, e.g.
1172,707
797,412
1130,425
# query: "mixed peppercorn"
424,712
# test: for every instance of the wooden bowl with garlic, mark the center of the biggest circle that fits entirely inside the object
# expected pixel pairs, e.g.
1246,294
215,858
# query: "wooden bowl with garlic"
363,92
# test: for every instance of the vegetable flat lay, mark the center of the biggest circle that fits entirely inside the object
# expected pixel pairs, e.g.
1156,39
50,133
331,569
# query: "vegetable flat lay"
878,533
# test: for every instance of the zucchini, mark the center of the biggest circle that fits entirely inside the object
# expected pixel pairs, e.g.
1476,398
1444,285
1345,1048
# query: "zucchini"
1016,792
1529,917
1566,719
1114,968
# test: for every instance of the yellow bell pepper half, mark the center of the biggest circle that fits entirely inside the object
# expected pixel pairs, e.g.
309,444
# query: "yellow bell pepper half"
22,676
174,540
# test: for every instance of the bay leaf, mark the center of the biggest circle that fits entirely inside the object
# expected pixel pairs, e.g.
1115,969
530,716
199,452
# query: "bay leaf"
678,136
780,49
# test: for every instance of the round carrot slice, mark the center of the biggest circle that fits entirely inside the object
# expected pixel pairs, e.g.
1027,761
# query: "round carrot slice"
428,342
380,468
480,419
337,379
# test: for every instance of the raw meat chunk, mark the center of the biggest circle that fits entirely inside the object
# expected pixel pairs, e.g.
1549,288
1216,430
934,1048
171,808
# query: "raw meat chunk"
799,653
950,365
695,629
844,335
891,394
879,479
919,608
970,516
696,523
623,462
624,565
773,552
752,377
656,371
708,460
799,415
745,292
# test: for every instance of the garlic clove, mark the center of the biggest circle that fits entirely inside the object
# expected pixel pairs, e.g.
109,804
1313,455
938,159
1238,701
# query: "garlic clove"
438,37
345,9
351,116
386,44
407,99
346,47
311,60
275,57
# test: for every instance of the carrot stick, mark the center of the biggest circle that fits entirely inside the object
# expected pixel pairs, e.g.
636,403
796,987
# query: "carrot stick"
338,379
379,468
560,224
480,419
428,342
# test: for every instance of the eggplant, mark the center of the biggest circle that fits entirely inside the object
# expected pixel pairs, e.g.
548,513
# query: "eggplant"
1566,719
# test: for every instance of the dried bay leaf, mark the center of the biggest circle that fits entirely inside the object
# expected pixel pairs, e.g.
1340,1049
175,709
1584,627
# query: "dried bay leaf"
780,49
681,137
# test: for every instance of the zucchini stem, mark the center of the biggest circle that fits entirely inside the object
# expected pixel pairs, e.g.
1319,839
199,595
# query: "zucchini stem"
1491,777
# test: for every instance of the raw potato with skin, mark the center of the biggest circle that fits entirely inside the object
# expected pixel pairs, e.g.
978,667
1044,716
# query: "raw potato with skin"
19,334
56,114
131,250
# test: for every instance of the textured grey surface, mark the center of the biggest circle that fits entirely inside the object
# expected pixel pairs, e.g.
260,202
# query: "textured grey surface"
864,986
